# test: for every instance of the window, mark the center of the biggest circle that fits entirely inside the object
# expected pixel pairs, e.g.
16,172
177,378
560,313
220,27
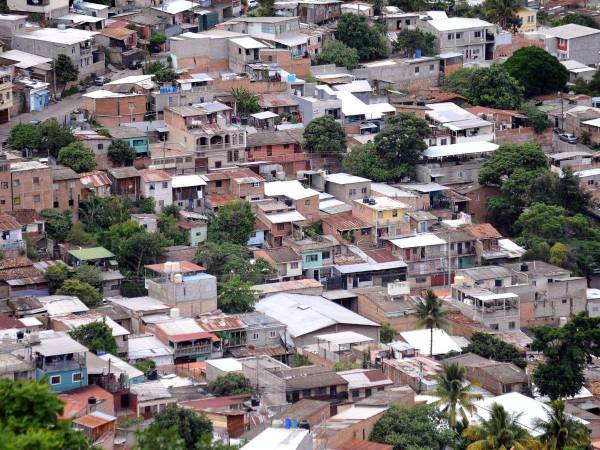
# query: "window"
16,183
165,185
219,183
494,326
380,214
506,388
36,180
564,301
286,146
272,334
71,202
281,226
254,336
450,36
269,150
55,186
431,67
477,34
458,35
512,325
4,185
311,258
71,184
355,393
363,190
326,255
55,379
394,213
36,198
417,69
55,204
100,146
77,377
152,187
352,192
256,185
294,265
306,393
17,200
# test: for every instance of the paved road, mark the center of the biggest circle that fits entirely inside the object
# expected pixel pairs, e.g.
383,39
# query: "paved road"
59,110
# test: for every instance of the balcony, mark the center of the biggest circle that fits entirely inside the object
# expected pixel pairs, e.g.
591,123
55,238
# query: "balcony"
193,350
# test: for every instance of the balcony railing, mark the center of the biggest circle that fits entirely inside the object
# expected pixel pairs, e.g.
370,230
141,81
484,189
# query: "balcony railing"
193,350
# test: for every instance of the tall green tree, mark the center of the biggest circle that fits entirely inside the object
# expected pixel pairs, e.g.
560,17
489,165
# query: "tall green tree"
579,19
526,65
508,158
29,413
400,143
246,102
500,431
486,86
100,213
454,393
25,136
88,274
236,296
78,157
55,137
489,346
413,428
120,153
431,314
190,426
85,292
364,161
325,136
502,12
355,32
408,41
560,430
96,336
58,225
233,222
56,276
230,384
140,250
386,333
338,53
157,438
65,70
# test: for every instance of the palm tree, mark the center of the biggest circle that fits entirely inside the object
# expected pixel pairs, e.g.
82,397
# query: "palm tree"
501,11
431,315
499,432
561,430
454,393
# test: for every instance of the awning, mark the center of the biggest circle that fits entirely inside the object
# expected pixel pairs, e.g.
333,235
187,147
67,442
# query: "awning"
264,115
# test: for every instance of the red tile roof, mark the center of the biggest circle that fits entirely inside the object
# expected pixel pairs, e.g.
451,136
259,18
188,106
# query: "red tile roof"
381,255
154,175
8,223
192,336
345,222
482,231
179,267
221,323
76,401
217,402
93,421
7,322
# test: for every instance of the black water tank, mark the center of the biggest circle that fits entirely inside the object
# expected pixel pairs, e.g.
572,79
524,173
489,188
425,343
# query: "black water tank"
92,400
152,374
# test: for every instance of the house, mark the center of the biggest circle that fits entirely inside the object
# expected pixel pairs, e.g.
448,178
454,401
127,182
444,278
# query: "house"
281,439
475,39
264,335
66,187
317,254
143,347
487,245
419,373
148,222
573,41
136,139
120,38
390,304
207,129
97,426
528,18
424,255
363,382
496,377
503,119
12,367
257,238
187,339
188,191
282,220
232,329
287,263
76,401
150,398
347,187
156,184
221,367
11,234
384,214
95,183
307,316
125,181
318,101
47,8
97,143
454,125
79,45
58,305
356,421
24,185
192,89
227,414
61,359
347,228
196,230
184,285
19,276
140,309
420,340
112,109
304,200
95,256
578,70
302,286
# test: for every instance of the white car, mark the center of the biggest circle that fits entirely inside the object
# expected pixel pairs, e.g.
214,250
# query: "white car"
252,3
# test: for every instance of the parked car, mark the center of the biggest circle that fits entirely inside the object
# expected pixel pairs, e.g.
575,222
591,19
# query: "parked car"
101,80
252,3
35,122
557,130
134,65
568,137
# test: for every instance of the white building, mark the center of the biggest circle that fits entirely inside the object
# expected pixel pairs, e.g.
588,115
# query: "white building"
157,184
454,125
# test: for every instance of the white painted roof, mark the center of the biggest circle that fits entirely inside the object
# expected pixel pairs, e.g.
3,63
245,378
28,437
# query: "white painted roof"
291,41
353,106
369,266
571,31
80,18
175,6
279,439
305,314
464,148
132,79
292,189
334,206
89,5
180,326
264,115
448,112
354,86
421,340
150,390
187,181
383,204
74,321
357,379
30,321
283,217
344,337
358,413
146,347
593,122
26,60
458,23
437,15
576,66
102,93
225,364
58,305
248,43
528,410
592,294
139,303
131,371
57,343
344,178
421,240
70,36
588,172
